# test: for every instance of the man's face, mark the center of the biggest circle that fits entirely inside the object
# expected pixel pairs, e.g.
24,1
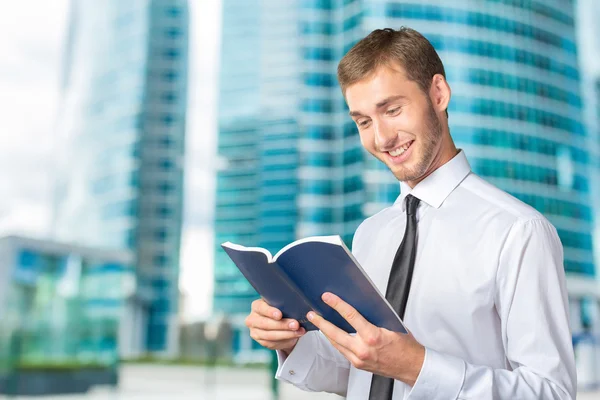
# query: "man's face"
396,122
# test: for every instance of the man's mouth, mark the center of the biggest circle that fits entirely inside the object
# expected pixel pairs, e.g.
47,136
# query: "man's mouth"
400,150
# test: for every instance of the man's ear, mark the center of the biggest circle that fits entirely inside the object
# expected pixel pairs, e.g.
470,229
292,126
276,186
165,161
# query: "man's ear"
439,93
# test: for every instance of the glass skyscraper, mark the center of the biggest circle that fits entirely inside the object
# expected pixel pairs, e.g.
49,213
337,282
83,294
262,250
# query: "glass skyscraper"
257,145
123,123
236,214
516,111
333,191
516,108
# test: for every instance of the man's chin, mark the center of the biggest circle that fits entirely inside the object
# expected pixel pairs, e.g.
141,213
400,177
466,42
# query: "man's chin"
404,174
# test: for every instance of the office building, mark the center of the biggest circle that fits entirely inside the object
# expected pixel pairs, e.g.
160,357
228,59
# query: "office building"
123,125
257,147
64,302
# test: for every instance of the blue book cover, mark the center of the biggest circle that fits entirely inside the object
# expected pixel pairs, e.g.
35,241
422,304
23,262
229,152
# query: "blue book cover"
296,277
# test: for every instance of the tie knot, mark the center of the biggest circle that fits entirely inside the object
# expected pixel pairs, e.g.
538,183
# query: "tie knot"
411,204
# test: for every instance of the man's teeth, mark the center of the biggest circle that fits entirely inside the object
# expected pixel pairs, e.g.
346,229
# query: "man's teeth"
399,150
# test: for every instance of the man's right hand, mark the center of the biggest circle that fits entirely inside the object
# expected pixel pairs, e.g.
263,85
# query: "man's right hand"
271,331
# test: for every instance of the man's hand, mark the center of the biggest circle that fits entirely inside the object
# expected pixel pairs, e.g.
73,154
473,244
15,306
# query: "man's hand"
269,329
378,350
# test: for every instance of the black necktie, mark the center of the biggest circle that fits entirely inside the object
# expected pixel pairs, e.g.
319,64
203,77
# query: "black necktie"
398,287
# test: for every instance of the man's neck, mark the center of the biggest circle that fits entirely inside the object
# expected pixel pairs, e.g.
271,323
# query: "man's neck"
448,153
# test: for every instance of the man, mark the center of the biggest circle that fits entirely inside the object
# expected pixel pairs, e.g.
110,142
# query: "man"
476,275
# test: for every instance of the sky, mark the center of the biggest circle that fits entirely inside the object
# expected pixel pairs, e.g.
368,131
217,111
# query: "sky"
32,35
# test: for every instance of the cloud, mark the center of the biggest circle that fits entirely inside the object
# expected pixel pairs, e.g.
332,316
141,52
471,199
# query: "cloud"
27,219
31,36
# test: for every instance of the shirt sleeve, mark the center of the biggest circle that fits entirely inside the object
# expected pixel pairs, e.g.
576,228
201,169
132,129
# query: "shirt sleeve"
314,365
531,300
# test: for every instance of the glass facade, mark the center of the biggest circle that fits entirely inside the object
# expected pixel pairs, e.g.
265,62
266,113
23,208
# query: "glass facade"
332,162
516,107
509,63
123,122
61,304
516,110
595,164
237,205
257,144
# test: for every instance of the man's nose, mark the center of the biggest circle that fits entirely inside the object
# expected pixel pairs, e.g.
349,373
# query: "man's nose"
385,137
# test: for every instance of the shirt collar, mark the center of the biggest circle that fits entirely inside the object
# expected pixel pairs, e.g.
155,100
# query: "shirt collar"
434,189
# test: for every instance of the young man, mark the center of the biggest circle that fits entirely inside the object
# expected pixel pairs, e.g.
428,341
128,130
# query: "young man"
487,310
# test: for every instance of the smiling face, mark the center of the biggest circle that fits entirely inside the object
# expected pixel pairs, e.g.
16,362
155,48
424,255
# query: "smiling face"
399,124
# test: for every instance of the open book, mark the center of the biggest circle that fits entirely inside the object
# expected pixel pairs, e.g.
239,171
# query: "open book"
294,280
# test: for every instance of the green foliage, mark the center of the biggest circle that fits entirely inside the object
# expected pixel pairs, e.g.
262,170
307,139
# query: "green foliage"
69,365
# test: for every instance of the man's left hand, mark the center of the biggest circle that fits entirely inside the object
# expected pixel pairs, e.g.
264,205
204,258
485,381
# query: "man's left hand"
378,350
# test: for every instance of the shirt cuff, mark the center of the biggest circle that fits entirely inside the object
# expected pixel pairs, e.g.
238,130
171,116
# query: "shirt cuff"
441,377
295,367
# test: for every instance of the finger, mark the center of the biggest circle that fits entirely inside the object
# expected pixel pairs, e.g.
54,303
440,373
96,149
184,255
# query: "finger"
331,331
269,324
349,355
349,313
276,336
261,307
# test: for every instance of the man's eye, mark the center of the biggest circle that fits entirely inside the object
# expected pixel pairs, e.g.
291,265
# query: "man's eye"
393,111
363,124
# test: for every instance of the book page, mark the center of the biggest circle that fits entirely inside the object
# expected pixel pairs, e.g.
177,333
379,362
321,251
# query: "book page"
333,239
239,247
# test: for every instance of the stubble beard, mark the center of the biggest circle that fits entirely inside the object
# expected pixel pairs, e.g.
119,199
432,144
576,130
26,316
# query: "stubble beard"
429,141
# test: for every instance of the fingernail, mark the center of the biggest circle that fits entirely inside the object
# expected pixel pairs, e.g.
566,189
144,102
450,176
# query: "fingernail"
326,296
311,315
292,325
276,314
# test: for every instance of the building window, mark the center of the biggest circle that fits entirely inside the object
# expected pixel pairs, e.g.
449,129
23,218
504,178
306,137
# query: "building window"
171,54
165,141
173,11
161,260
166,187
28,258
318,53
319,79
164,211
318,106
130,239
173,33
160,234
120,209
168,97
168,120
160,285
318,4
170,75
166,164
135,178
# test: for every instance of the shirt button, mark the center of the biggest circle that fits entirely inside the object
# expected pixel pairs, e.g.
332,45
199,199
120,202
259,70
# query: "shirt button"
292,372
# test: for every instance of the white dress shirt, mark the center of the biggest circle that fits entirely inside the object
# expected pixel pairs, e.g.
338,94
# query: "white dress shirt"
488,298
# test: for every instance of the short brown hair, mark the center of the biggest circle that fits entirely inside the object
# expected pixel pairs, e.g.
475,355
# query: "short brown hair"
405,46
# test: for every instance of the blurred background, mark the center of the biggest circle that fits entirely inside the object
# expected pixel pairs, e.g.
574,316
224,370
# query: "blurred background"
139,135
